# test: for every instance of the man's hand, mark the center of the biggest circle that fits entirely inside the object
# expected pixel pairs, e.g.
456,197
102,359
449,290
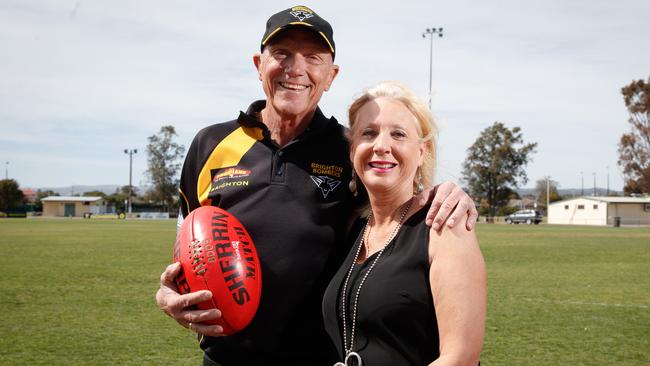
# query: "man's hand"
448,203
179,306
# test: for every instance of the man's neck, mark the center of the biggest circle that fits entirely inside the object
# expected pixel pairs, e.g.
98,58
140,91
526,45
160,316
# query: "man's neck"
284,129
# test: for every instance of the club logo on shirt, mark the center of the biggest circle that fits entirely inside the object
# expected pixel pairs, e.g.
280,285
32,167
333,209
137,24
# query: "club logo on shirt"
332,170
230,173
229,177
324,176
325,183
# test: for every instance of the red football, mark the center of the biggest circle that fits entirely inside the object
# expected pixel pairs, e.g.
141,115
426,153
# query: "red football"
217,254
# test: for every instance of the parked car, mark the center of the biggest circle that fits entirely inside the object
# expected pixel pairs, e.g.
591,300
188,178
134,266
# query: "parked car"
528,216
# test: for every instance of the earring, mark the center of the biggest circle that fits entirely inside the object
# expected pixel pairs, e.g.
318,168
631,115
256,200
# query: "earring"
353,184
418,182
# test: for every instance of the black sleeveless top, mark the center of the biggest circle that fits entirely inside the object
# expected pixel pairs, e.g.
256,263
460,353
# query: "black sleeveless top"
396,319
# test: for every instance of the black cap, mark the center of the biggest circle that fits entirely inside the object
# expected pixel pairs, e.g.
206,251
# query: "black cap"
299,16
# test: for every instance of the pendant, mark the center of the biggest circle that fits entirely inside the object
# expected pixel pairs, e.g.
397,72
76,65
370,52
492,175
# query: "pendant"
348,357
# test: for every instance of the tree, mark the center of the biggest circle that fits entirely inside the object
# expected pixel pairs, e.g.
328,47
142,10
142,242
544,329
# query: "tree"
10,194
634,147
540,191
94,194
495,164
503,210
38,205
164,159
118,198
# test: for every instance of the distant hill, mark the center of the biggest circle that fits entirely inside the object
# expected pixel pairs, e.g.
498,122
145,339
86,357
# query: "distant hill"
75,190
111,188
572,192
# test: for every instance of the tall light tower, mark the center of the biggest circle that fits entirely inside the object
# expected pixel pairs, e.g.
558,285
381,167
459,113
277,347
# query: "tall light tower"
582,183
594,173
607,167
430,32
6,170
130,152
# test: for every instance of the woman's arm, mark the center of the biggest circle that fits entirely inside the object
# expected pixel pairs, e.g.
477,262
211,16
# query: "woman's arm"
458,286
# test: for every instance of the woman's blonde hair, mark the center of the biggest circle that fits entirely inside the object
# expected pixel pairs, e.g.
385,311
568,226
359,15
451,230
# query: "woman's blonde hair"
426,126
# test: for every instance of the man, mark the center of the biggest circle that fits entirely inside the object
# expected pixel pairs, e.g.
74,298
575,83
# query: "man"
282,168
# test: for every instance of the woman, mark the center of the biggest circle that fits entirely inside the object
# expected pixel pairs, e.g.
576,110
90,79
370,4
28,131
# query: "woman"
398,267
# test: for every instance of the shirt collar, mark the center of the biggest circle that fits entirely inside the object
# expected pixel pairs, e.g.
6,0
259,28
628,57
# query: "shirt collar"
249,119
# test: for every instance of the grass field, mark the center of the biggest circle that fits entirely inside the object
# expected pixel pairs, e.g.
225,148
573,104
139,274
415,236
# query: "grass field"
80,292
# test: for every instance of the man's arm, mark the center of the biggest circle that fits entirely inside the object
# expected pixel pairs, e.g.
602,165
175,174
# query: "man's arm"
448,203
180,307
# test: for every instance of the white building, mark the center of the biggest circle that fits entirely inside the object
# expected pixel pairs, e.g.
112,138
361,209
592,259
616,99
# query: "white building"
600,211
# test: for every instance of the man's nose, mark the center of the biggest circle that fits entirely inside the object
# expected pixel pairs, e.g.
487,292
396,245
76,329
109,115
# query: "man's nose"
295,65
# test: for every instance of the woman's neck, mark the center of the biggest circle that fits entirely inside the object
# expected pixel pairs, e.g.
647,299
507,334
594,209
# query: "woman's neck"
385,207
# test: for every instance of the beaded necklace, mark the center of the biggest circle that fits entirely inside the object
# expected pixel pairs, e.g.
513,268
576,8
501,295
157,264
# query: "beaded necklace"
349,354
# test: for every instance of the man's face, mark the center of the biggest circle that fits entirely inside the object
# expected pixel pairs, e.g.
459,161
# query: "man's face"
295,69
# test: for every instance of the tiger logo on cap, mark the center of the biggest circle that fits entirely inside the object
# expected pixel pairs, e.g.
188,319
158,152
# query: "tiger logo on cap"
301,12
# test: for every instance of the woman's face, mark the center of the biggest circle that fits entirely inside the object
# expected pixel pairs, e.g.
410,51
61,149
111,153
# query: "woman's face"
386,149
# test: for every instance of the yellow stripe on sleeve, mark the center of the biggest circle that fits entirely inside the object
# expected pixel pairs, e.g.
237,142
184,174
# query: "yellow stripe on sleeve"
226,154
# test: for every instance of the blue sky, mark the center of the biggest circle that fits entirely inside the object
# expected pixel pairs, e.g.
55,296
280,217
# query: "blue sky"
80,81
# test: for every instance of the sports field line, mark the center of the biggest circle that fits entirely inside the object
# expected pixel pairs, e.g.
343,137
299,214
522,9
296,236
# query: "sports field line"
571,302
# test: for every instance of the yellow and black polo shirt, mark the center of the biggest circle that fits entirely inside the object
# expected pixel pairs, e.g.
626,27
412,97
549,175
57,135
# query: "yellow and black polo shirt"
294,201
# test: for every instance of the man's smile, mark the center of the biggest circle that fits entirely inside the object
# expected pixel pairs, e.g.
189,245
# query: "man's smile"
292,86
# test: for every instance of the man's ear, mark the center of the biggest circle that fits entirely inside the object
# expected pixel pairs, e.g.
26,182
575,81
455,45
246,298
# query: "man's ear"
257,61
334,70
